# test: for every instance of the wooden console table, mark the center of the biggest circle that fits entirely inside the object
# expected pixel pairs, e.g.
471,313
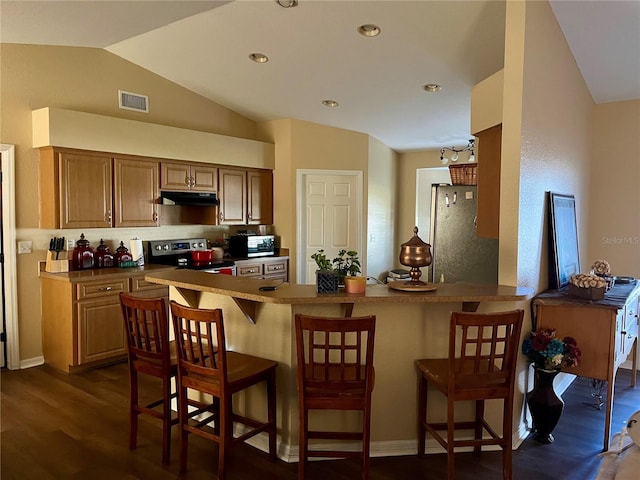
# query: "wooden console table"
606,331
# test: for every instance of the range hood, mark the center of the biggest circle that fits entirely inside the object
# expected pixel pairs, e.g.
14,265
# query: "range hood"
201,199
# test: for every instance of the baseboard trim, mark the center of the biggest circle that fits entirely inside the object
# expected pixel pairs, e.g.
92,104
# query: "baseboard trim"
32,362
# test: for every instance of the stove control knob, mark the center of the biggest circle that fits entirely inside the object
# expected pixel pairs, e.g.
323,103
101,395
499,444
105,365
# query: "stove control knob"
201,245
165,247
158,247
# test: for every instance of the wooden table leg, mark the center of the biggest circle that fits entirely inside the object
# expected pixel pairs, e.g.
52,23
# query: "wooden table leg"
634,362
608,414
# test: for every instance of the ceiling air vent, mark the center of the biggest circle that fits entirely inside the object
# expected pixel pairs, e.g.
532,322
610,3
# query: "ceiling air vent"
133,101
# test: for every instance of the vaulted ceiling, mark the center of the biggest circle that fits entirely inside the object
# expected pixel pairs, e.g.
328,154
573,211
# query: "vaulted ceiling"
316,53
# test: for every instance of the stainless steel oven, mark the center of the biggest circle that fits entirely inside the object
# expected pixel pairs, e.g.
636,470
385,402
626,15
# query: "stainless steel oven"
178,254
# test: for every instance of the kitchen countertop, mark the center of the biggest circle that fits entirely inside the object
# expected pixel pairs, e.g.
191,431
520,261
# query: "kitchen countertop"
101,273
246,293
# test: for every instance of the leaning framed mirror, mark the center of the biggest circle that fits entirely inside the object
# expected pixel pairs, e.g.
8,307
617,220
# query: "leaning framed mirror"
563,239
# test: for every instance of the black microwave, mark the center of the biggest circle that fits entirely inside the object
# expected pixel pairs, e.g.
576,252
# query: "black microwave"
241,246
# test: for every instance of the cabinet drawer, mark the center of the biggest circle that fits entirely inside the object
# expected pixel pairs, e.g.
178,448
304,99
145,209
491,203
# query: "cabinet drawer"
275,267
249,270
101,289
139,284
631,315
629,337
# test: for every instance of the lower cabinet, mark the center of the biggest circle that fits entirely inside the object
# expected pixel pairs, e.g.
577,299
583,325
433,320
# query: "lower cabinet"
269,269
82,321
100,334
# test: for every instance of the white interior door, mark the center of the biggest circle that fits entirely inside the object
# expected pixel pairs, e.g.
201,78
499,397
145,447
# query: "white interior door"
329,216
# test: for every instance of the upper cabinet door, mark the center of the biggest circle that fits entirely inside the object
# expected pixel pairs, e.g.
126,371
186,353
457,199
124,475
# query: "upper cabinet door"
260,197
188,177
85,190
204,178
233,197
175,176
136,193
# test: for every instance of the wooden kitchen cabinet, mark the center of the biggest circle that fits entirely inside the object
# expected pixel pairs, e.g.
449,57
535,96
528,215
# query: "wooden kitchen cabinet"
83,189
267,268
488,152
135,193
75,189
232,195
246,197
82,320
259,197
606,331
198,177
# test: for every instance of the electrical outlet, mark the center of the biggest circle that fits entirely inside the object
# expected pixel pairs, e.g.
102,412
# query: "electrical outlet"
71,244
25,247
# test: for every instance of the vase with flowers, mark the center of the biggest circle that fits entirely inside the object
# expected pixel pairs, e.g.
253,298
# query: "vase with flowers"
548,354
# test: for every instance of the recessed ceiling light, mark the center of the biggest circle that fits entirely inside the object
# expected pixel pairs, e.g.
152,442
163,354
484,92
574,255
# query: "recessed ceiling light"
259,57
432,87
287,3
369,30
330,103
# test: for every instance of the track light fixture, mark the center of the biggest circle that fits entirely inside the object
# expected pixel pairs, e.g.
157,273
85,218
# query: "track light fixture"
455,151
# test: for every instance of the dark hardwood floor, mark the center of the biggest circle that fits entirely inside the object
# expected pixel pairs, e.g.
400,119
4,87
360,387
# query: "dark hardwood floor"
55,426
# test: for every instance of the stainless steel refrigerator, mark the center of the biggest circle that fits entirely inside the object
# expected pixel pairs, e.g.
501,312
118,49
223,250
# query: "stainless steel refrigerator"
458,254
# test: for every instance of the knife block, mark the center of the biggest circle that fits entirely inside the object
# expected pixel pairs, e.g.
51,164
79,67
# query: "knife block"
57,266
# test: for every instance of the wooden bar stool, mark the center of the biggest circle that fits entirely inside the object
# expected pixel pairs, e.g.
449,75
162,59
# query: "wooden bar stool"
149,352
483,369
205,365
335,372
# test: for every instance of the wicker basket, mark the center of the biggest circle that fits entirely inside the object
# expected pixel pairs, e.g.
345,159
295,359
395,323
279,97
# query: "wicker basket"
464,174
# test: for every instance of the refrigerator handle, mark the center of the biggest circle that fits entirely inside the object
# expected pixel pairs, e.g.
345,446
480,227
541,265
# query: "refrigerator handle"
455,197
446,199
475,222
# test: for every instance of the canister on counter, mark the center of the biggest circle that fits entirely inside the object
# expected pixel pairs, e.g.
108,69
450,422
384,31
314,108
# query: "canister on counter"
82,256
123,258
103,258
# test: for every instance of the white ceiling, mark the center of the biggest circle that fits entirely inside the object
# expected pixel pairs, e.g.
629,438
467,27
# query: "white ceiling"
316,53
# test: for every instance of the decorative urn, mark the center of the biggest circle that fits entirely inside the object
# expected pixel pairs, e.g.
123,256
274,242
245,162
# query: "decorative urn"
415,254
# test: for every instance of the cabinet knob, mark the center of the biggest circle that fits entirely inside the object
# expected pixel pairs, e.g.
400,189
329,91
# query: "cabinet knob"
221,215
155,216
106,289
187,180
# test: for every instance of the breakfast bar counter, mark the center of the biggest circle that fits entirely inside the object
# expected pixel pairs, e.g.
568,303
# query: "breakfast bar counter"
410,325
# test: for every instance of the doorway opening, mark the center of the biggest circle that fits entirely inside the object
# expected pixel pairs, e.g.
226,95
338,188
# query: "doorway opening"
10,351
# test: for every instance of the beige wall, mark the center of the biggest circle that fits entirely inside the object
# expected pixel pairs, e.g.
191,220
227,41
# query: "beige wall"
381,240
614,207
306,145
87,80
408,163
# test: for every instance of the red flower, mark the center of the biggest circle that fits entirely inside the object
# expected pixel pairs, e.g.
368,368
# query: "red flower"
541,339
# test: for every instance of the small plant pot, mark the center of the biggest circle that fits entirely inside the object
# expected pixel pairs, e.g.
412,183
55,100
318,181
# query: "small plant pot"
326,281
355,284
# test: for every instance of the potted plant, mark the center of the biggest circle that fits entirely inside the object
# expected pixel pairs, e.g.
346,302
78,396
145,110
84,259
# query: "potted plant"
326,276
347,264
342,269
